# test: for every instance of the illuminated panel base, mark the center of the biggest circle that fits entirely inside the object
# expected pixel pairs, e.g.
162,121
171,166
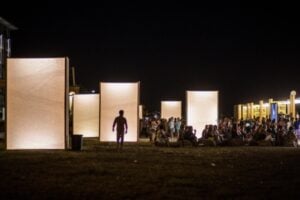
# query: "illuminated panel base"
115,97
170,109
202,109
36,103
86,115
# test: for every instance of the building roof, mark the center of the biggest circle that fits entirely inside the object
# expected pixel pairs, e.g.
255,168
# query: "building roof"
7,24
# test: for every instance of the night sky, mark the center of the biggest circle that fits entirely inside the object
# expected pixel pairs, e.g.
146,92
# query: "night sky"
246,51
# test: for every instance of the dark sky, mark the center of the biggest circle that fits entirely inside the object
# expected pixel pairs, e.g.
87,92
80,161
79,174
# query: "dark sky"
246,51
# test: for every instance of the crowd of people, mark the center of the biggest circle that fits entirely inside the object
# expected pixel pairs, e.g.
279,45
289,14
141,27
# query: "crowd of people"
284,132
228,132
163,131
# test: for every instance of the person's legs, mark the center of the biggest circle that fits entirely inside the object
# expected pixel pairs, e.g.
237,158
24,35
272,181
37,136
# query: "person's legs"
153,137
177,133
122,139
172,132
298,136
118,140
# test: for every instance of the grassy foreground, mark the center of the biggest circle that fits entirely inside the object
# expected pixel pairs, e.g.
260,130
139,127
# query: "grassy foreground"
142,171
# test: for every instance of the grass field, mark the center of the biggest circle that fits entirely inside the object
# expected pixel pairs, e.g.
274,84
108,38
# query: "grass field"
142,171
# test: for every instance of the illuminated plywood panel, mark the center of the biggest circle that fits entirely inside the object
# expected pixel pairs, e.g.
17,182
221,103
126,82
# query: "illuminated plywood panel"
37,103
170,109
140,111
115,97
86,115
202,109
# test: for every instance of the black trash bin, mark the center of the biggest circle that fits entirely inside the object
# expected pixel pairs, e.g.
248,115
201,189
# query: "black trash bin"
77,142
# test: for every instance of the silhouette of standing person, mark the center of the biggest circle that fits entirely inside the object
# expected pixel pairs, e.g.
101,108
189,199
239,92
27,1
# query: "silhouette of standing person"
122,128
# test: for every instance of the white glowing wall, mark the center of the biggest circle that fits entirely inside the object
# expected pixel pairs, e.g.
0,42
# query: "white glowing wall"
86,115
37,103
202,109
115,97
141,111
170,109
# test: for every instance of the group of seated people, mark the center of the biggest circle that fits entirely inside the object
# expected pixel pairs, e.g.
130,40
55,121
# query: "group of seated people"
284,132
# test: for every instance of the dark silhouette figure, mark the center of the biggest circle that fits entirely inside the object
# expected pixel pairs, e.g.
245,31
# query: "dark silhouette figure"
122,128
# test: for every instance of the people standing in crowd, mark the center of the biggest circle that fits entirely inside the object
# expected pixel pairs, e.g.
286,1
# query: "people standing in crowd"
177,126
171,127
297,129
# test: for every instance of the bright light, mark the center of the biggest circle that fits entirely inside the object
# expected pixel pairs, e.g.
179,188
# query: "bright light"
36,103
202,109
86,115
297,101
283,102
170,109
115,97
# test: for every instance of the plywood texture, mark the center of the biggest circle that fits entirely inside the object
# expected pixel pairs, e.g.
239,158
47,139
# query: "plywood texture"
115,97
36,103
86,115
